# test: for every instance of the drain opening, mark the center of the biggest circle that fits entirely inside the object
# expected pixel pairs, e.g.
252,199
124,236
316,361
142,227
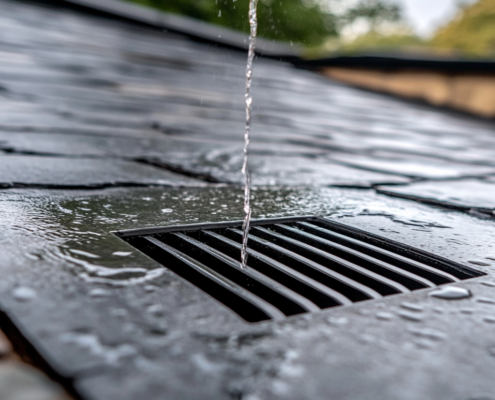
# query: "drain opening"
296,265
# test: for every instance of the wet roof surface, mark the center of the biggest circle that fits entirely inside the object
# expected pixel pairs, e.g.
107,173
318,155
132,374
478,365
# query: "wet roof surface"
93,109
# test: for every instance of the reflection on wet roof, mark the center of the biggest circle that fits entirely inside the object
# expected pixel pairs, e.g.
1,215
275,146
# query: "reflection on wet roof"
80,86
93,109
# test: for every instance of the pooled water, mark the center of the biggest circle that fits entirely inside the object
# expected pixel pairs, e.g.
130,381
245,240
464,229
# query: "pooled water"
253,23
451,293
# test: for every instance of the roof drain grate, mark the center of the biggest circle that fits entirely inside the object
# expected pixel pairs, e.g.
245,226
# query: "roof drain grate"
296,265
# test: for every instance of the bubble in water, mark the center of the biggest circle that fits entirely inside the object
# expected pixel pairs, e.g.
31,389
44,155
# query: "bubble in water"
451,293
23,293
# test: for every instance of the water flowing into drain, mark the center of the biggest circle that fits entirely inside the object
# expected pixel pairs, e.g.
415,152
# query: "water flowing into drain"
253,23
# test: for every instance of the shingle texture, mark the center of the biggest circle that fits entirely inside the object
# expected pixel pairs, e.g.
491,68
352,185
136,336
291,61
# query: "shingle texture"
93,109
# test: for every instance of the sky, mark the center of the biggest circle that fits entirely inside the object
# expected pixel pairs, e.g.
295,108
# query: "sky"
427,15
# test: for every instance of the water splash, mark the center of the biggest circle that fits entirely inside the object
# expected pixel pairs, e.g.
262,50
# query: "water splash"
253,23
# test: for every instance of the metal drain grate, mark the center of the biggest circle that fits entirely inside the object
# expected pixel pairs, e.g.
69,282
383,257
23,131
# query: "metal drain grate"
296,265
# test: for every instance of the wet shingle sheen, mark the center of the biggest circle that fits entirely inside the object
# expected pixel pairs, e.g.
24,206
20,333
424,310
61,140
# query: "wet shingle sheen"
92,109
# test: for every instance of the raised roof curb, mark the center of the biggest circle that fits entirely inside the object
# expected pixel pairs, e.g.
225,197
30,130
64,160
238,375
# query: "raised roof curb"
391,62
220,36
190,27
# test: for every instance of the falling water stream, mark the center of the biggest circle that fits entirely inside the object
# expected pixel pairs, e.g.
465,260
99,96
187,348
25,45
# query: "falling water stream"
253,23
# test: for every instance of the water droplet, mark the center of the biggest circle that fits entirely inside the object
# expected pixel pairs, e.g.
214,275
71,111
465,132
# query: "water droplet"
410,316
83,253
121,253
428,333
486,283
156,309
424,343
167,211
118,312
486,300
481,263
338,320
384,316
93,344
23,293
99,293
467,310
412,306
451,293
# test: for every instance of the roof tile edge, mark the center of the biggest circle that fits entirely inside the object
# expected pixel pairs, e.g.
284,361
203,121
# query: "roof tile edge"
188,26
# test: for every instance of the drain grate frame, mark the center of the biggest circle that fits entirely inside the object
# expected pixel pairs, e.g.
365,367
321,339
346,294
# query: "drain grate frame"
295,265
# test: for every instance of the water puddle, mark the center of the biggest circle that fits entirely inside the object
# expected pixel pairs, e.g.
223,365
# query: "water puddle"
451,293
253,23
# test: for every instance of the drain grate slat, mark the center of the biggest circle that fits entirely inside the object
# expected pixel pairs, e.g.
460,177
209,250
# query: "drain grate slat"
313,290
297,300
353,290
232,271
436,276
406,278
330,296
457,271
245,303
379,283
295,265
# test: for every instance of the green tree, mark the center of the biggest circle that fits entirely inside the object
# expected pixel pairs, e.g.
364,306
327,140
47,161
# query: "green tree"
403,41
306,22
472,32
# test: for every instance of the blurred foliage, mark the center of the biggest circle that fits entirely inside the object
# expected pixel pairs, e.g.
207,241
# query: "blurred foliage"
472,32
306,22
403,40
